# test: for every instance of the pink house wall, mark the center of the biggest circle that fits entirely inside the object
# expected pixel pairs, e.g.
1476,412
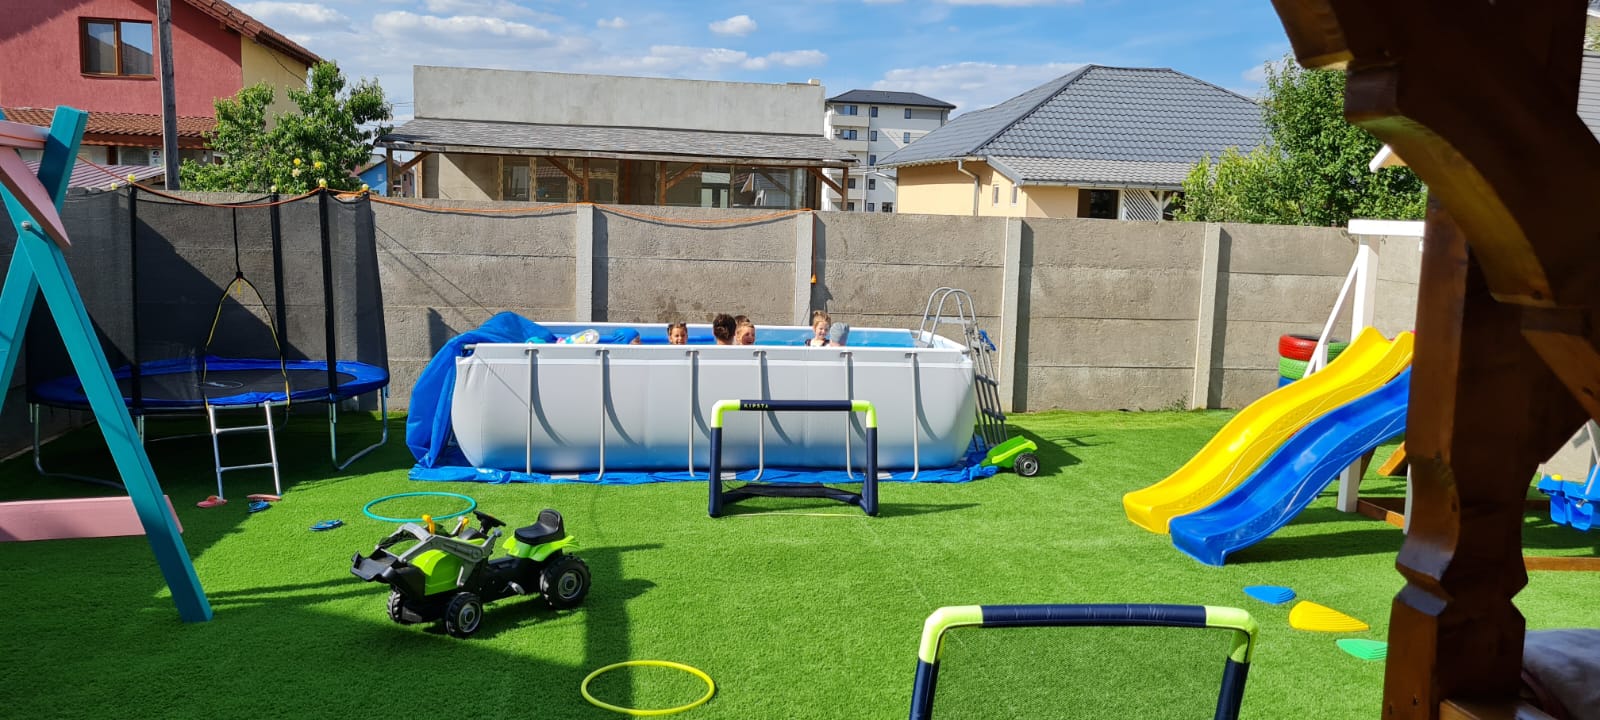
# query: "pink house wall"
40,63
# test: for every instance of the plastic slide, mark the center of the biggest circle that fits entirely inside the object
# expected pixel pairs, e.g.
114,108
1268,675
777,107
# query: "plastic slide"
1259,429
1289,480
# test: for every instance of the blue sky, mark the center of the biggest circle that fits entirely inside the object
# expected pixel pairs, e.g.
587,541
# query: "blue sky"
972,53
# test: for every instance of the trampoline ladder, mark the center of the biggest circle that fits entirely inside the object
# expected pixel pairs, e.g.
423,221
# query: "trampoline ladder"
217,431
991,419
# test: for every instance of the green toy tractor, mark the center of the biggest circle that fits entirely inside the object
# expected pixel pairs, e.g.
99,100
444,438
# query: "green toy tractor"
449,576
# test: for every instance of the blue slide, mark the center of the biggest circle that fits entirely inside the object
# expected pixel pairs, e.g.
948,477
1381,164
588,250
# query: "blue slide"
1294,475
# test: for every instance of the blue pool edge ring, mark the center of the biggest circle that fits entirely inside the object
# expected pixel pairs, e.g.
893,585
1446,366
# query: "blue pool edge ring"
471,505
711,688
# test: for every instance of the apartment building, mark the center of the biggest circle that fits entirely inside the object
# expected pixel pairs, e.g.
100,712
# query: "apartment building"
872,124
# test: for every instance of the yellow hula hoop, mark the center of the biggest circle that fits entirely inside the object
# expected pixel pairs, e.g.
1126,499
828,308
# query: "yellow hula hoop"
711,688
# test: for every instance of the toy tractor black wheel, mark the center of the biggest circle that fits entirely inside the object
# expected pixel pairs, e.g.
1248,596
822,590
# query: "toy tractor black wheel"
565,582
463,615
399,611
1026,465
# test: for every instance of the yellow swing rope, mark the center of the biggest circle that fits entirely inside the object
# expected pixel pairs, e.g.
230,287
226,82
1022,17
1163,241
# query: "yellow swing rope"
238,279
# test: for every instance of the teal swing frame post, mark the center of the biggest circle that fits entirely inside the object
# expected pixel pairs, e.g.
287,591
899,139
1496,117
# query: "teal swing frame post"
39,268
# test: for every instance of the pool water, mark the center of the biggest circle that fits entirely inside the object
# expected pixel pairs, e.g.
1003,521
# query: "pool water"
780,336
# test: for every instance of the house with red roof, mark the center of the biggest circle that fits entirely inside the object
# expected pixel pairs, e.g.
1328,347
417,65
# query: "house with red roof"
101,56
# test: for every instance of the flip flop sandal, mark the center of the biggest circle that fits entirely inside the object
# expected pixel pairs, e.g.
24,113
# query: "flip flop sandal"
266,497
259,505
327,525
211,502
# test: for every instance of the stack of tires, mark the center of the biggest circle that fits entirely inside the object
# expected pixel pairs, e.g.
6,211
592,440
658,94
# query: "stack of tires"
1294,353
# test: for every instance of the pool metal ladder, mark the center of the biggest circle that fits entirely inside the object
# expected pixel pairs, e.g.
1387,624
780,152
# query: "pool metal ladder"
217,431
953,306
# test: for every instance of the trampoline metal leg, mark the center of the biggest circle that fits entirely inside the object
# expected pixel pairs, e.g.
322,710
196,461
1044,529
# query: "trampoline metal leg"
333,435
38,456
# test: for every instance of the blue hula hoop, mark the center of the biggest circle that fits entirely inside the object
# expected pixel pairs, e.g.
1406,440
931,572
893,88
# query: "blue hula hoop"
471,505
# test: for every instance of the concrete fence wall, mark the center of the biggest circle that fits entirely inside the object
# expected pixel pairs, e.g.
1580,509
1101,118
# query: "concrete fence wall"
1090,314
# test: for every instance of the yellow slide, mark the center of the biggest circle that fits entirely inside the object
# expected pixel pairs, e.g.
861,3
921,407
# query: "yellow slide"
1252,435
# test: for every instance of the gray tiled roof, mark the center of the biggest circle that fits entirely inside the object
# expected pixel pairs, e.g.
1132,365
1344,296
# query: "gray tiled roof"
889,97
688,144
1096,172
1589,91
1142,118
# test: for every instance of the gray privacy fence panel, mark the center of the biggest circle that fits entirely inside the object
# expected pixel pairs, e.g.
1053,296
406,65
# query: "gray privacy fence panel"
877,269
1108,313
652,271
1272,280
445,271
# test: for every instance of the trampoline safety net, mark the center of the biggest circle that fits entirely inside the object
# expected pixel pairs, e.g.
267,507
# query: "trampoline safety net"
240,304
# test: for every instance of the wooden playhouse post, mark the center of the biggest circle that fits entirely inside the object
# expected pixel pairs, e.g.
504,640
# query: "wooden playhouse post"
38,265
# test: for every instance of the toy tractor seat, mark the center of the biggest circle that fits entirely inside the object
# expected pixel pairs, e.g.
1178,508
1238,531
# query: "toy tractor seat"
549,528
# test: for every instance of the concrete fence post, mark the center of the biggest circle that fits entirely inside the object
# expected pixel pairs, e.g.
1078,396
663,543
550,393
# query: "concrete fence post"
583,241
804,244
1010,323
1206,316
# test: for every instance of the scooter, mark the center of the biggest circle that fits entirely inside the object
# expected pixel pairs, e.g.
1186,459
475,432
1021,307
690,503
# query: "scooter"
450,576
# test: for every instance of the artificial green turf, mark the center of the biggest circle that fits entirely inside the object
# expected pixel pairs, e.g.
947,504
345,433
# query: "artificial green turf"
806,610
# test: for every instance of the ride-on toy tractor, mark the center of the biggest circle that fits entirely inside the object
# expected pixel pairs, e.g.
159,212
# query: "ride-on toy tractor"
449,576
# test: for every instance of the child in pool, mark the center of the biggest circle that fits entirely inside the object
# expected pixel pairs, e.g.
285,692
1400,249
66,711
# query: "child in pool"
677,334
744,331
820,323
722,327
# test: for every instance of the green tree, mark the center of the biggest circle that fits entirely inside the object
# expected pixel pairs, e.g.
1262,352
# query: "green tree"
1313,169
331,133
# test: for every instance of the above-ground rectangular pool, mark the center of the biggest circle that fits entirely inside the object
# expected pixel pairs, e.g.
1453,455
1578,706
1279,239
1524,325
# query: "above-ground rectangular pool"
575,408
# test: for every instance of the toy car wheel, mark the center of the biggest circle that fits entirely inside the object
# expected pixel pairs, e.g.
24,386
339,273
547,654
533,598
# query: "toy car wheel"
399,611
565,582
463,615
1027,465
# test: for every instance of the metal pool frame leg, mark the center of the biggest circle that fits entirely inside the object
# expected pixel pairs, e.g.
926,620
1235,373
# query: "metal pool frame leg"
1235,669
333,430
867,499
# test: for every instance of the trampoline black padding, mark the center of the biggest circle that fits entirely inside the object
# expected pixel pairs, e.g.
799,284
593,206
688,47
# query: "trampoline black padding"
182,384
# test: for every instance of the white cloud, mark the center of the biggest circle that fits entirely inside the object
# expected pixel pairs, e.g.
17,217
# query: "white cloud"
736,25
616,23
972,85
286,16
482,8
1014,3
1255,75
798,58
402,24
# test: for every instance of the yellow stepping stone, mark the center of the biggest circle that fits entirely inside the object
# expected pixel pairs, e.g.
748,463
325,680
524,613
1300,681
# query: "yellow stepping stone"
1321,618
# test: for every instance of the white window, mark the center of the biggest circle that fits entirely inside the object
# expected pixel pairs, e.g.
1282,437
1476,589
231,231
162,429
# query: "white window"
872,111
908,113
1013,195
847,133
872,183
996,199
888,207
852,110
872,159
872,207
874,135
850,206
852,183
905,138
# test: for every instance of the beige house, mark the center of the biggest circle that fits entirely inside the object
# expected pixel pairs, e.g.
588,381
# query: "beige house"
559,137
1100,142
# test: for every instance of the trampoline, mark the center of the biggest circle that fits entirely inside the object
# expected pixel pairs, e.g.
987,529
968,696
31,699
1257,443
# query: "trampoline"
250,304
183,385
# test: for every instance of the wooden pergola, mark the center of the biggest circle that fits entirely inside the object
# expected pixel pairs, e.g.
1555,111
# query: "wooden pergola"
1480,99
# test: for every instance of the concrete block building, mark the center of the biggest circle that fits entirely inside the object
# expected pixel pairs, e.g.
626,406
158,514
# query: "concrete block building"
559,137
873,124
